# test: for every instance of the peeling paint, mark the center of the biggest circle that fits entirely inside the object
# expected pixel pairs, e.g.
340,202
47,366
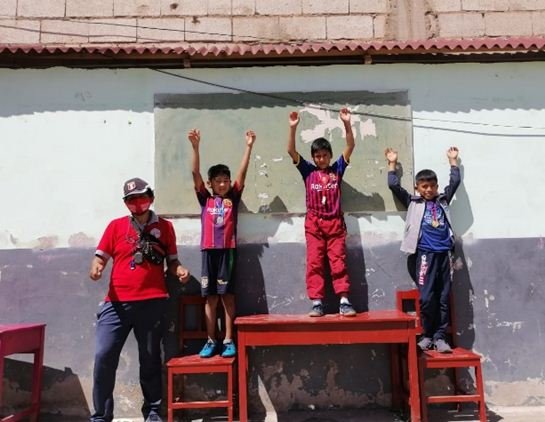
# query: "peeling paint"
529,392
47,242
368,128
81,240
515,325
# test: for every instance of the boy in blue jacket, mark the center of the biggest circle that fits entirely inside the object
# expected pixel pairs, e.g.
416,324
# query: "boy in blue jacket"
429,240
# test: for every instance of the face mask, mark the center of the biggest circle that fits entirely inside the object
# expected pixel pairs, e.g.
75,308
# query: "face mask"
138,206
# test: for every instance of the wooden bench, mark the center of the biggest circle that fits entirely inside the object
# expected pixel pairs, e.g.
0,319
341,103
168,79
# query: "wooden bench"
24,338
391,326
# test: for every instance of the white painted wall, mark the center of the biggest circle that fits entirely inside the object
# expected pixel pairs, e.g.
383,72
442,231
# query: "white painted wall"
71,137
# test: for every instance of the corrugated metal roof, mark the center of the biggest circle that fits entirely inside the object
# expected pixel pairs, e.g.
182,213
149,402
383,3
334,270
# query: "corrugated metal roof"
267,54
512,44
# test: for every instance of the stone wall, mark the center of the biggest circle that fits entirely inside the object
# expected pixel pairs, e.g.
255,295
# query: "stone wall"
155,21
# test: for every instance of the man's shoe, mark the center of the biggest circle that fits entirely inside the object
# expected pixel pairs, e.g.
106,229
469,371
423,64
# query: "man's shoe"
209,349
229,350
442,346
154,417
346,309
425,343
317,310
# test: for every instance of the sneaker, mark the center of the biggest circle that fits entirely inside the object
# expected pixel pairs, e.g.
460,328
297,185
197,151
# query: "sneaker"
346,309
209,349
154,418
442,346
317,310
229,350
425,343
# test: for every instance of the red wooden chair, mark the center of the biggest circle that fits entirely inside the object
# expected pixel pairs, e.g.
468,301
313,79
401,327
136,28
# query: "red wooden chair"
194,364
193,305
459,358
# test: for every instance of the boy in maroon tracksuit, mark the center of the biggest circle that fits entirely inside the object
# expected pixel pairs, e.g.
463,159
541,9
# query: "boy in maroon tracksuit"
325,230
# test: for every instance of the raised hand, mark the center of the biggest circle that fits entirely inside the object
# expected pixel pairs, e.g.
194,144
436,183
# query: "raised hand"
294,119
345,114
391,155
194,136
452,153
250,137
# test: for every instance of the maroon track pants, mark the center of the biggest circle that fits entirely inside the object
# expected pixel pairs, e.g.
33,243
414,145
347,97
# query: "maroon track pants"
325,237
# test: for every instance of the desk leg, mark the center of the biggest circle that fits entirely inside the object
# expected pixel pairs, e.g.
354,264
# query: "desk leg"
242,378
414,389
37,372
1,373
397,387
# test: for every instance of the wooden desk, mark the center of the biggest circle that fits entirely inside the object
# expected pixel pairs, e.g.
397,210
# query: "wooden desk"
390,326
24,338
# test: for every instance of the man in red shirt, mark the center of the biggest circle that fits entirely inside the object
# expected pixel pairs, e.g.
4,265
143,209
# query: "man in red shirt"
139,246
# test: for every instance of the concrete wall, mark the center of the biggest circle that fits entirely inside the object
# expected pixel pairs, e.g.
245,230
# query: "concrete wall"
153,21
71,137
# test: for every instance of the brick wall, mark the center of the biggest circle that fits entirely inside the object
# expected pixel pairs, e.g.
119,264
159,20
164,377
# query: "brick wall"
152,21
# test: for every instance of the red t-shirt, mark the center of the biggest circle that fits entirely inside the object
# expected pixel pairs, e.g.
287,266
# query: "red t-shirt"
129,282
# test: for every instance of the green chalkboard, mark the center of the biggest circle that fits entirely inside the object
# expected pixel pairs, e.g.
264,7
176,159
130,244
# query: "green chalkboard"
273,184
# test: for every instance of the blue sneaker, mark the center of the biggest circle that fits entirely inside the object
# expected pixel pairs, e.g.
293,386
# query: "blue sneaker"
209,349
229,350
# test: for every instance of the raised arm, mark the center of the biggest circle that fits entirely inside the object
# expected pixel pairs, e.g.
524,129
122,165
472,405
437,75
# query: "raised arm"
294,121
243,169
194,137
454,180
350,144
393,180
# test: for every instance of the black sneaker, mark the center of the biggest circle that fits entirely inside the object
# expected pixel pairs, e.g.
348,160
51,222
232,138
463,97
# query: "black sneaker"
442,346
346,309
317,310
425,343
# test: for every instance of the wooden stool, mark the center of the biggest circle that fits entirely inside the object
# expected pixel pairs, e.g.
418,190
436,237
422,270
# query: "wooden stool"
459,358
194,364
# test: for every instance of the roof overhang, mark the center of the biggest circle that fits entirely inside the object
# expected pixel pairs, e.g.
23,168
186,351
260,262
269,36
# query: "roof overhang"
173,55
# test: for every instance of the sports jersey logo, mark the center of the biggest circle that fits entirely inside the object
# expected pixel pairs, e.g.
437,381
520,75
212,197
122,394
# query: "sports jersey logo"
332,177
227,203
320,187
155,232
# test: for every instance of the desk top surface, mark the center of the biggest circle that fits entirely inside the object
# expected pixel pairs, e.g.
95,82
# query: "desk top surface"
303,319
5,328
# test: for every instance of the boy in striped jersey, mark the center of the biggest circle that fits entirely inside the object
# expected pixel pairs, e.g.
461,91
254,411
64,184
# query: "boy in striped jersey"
218,240
325,230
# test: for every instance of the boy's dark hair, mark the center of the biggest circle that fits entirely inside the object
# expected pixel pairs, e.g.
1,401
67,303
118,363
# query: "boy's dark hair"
426,175
320,144
219,170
